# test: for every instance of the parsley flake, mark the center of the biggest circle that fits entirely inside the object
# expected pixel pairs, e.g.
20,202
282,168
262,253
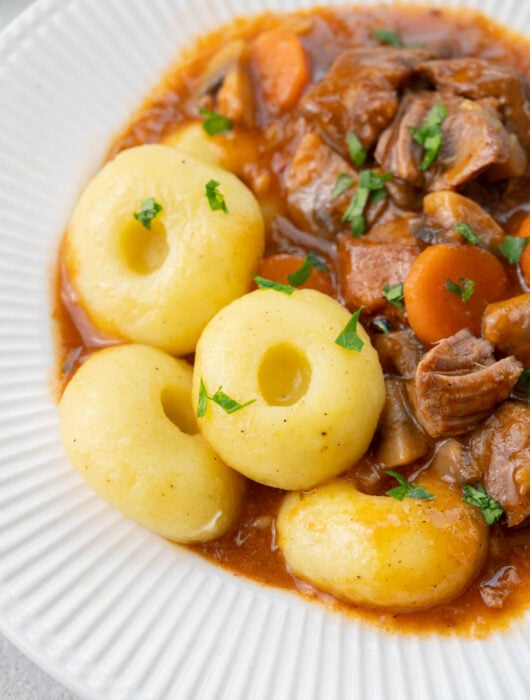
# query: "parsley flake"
512,248
216,200
429,134
301,275
215,123
388,37
348,337
406,489
264,283
357,151
149,209
488,506
344,182
394,294
228,404
381,325
464,290
371,186
467,232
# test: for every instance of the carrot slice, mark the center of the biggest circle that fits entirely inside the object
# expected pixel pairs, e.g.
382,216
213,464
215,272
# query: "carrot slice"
524,232
279,267
433,311
282,67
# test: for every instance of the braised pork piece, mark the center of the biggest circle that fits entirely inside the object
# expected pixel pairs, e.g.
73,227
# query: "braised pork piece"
391,146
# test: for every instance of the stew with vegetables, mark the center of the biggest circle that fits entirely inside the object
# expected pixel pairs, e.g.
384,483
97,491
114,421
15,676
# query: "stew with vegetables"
388,150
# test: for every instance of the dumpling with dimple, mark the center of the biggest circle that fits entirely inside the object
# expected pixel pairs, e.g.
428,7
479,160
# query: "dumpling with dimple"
160,279
128,428
315,405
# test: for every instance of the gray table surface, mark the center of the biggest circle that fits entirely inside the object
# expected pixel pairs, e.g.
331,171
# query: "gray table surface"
20,679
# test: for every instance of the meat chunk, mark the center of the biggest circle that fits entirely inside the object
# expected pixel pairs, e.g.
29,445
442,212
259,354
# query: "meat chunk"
400,440
359,92
309,184
477,79
365,268
399,351
450,208
453,462
458,383
501,450
506,324
473,135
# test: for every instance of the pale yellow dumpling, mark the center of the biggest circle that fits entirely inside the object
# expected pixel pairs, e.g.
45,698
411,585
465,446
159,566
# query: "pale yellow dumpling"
316,404
381,552
128,428
161,285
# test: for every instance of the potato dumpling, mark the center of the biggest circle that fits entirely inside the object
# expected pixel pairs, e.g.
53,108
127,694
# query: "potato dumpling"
161,285
380,552
128,428
230,150
316,404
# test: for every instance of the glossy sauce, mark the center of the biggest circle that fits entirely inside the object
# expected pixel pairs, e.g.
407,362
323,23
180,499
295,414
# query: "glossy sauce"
502,590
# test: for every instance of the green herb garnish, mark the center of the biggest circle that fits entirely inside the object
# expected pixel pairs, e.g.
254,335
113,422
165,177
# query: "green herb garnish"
149,209
429,134
394,294
488,506
381,325
264,283
467,232
512,248
301,275
348,337
388,37
344,182
371,186
464,290
357,151
406,489
228,404
215,123
215,199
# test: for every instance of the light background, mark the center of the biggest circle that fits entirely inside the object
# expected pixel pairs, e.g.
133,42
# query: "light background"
20,679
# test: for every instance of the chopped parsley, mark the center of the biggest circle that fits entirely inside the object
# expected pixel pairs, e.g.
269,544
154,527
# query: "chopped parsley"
149,209
406,489
388,37
216,200
348,337
228,404
215,123
264,283
467,232
488,506
357,151
429,134
512,248
344,182
371,186
301,275
464,290
381,325
394,294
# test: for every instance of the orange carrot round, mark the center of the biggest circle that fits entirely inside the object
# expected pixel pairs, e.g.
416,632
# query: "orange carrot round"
436,312
279,267
281,64
524,232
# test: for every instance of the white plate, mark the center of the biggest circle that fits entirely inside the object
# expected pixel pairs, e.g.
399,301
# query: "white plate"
109,609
